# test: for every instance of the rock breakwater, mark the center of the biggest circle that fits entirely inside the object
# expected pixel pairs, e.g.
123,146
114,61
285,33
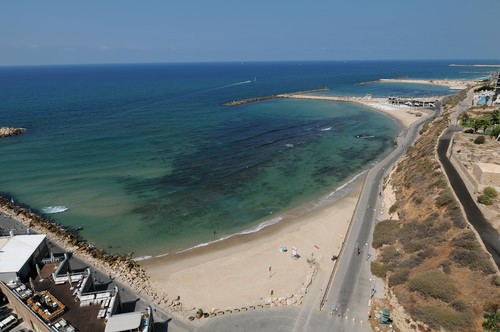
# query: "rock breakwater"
6,131
123,268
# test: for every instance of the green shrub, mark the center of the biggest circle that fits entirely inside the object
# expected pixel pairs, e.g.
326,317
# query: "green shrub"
490,192
461,306
445,198
385,232
434,284
412,262
440,183
447,318
379,269
418,199
466,240
483,199
414,246
399,277
474,260
390,255
492,322
427,252
479,140
495,280
455,215
469,131
495,131
393,208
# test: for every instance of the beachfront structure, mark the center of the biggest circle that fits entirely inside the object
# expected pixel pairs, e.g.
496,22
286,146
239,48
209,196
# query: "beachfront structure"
487,175
132,321
19,255
56,298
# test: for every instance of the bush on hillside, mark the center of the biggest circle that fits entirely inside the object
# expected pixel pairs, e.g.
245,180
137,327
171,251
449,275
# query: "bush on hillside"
474,260
495,280
445,198
399,277
469,131
490,192
385,232
495,131
479,140
434,284
485,200
467,241
393,208
390,255
379,269
447,318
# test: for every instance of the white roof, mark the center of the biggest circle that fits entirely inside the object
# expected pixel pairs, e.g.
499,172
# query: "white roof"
16,250
123,322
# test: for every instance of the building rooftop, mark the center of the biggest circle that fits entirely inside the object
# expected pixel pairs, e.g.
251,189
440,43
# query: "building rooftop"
124,322
16,250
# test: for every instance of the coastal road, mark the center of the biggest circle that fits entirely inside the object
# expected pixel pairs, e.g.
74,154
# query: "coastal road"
347,302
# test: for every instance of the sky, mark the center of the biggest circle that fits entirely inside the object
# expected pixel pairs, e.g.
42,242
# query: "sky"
157,31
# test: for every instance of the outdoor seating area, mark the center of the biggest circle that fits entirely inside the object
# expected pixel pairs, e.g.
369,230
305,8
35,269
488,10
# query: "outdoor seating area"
46,306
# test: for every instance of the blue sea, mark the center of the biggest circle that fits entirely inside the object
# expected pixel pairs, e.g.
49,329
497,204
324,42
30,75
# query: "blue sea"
147,159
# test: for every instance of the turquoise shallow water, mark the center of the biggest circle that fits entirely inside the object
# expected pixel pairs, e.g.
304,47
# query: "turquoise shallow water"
148,160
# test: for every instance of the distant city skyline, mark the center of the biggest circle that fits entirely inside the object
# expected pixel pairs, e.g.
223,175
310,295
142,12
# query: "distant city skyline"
61,32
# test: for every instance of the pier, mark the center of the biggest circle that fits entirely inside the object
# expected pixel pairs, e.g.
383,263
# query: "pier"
256,99
368,100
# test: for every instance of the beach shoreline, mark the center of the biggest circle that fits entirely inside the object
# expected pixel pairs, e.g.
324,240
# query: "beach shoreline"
216,277
250,269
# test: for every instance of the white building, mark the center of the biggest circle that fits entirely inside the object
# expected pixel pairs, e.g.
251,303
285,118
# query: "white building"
19,254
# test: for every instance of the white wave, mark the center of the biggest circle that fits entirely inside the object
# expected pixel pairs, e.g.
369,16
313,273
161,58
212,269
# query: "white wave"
289,145
54,209
142,258
255,229
326,129
267,223
343,186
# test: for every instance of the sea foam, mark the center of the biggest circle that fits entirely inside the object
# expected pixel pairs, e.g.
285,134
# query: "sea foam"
54,209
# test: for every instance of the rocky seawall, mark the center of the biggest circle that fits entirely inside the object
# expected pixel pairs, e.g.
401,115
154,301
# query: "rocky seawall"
124,268
6,131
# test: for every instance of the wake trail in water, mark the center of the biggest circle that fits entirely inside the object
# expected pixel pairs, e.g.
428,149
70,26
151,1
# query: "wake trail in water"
233,84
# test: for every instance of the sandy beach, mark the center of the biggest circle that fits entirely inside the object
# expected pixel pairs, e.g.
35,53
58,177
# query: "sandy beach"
251,269
452,84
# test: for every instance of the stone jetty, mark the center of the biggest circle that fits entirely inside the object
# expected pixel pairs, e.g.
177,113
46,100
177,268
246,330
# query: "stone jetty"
6,131
256,99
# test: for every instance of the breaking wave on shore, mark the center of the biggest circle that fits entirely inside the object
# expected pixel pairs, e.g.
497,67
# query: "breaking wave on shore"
54,209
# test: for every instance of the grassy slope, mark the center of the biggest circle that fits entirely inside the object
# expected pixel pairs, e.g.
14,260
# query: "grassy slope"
432,260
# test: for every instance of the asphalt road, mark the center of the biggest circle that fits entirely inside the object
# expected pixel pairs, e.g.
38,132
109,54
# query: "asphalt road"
488,234
347,302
